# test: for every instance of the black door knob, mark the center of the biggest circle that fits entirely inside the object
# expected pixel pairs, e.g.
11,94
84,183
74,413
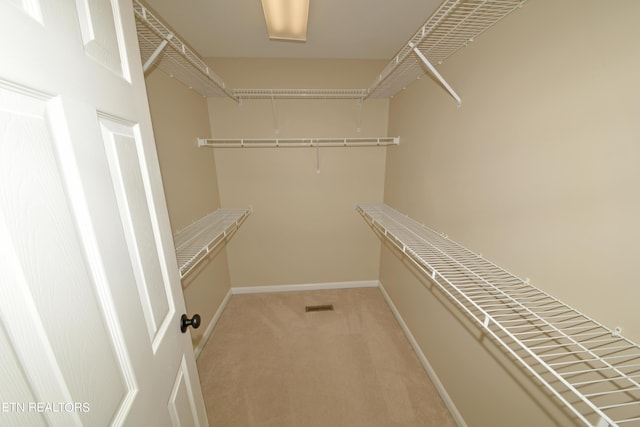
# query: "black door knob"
185,322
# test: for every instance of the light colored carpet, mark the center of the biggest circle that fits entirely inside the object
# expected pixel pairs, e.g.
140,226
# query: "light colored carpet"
268,363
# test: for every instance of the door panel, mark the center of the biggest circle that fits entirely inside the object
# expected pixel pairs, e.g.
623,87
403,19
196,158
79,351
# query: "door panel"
13,375
124,163
100,33
181,404
49,257
30,7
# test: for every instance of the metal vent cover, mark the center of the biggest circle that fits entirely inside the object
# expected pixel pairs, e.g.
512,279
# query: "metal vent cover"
321,307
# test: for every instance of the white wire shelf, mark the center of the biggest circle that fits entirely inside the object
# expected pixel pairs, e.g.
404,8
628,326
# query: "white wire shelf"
300,93
298,142
194,242
590,368
163,48
454,25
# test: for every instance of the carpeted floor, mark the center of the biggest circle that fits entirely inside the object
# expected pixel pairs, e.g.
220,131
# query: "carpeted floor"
270,363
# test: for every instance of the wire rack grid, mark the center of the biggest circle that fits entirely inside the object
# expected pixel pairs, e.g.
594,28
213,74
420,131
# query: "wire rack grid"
195,241
454,25
590,368
175,58
300,93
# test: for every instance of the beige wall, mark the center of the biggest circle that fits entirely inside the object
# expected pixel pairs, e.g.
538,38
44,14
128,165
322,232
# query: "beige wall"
179,116
539,171
304,228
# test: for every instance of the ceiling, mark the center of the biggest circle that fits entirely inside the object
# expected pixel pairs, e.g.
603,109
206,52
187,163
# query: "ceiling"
346,29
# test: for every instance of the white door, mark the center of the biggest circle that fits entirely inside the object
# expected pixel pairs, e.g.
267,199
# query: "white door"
90,296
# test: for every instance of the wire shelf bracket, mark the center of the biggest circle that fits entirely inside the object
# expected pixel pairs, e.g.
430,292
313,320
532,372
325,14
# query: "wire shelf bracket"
590,368
152,58
438,76
196,241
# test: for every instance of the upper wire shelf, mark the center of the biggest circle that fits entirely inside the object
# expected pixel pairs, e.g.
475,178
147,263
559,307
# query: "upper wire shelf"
454,25
590,368
300,93
163,48
197,240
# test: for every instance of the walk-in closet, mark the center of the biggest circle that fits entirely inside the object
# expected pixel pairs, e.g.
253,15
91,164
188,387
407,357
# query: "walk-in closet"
499,219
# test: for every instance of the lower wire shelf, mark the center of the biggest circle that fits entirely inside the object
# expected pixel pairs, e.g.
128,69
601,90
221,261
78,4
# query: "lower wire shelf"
590,368
194,242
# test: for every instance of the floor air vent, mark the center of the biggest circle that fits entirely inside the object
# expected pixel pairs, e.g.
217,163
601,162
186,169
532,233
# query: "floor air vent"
324,307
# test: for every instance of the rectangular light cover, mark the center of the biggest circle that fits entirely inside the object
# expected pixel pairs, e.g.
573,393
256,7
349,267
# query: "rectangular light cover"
286,19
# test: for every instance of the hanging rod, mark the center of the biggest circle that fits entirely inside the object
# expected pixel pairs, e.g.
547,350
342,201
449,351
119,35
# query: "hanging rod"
298,142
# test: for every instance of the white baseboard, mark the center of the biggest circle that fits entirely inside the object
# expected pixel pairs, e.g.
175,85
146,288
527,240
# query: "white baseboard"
306,287
457,417
212,324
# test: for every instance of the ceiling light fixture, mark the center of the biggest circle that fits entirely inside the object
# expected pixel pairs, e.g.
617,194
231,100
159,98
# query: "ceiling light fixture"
286,19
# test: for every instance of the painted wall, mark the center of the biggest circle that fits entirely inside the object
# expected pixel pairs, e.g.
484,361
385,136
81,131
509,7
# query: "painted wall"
304,228
538,171
180,116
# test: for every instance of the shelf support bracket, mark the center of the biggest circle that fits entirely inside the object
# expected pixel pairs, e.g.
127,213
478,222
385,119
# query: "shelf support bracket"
156,53
437,75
